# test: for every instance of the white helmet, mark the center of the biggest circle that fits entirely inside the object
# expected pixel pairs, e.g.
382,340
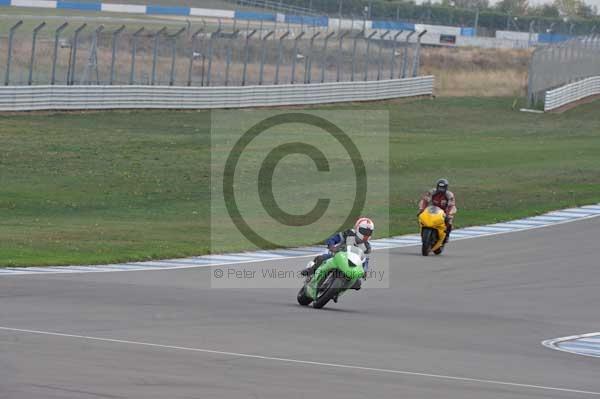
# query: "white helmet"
364,228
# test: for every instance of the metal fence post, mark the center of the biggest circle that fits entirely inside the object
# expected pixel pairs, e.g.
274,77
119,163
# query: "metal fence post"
211,39
367,55
576,51
393,60
295,56
530,90
379,55
308,61
417,55
72,65
133,51
246,56
324,59
563,53
280,56
192,55
405,54
32,59
340,54
92,58
587,41
202,67
263,55
174,38
228,55
155,53
550,56
55,52
359,34
113,58
531,32
9,53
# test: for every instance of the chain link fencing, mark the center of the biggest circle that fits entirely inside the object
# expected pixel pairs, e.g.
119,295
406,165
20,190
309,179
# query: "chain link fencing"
556,65
80,53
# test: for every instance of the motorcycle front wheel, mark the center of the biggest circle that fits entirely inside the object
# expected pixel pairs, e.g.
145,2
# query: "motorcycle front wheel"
428,239
328,289
303,299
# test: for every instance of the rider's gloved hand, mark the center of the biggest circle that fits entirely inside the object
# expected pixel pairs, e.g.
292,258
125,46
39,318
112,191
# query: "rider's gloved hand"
334,248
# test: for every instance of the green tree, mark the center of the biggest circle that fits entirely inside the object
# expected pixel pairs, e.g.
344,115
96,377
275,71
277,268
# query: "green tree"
481,4
575,8
587,11
546,10
514,7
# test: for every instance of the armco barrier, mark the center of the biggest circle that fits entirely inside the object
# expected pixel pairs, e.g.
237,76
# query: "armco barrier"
255,16
32,98
306,20
552,38
393,25
69,5
162,10
572,92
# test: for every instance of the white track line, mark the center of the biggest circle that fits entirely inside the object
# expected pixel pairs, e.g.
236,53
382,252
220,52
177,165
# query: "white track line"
555,342
307,362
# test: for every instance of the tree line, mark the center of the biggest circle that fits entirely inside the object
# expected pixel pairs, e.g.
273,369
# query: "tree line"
562,16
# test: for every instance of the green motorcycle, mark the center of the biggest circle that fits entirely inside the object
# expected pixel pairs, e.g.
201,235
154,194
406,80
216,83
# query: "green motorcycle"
332,278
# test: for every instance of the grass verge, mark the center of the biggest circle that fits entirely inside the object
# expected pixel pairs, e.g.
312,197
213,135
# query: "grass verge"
84,188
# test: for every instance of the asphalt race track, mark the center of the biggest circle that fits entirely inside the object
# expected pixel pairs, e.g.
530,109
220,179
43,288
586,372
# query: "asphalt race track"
465,325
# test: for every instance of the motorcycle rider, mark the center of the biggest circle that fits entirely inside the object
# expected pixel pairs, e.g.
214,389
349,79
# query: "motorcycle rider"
443,198
358,236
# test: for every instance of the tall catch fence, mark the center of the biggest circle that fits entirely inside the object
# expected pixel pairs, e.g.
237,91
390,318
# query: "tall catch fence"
79,53
559,64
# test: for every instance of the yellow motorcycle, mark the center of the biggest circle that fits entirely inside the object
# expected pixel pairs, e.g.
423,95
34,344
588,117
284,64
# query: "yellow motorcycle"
433,230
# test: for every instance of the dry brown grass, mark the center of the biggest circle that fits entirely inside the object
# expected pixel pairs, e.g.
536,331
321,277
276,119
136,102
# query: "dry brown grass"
477,72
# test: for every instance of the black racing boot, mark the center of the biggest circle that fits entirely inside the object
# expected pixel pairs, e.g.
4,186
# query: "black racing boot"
309,270
441,249
448,231
356,285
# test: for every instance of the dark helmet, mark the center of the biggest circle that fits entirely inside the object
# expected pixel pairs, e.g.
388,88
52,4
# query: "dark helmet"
442,185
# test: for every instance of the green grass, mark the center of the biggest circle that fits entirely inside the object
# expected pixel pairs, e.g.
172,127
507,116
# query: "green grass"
82,188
